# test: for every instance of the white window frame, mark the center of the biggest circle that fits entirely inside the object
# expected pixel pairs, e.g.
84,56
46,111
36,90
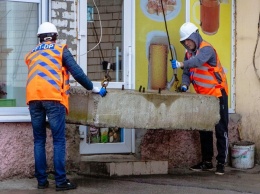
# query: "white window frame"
129,45
21,114
128,145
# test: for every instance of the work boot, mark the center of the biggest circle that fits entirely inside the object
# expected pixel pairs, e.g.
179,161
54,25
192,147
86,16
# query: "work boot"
43,186
202,166
66,186
220,169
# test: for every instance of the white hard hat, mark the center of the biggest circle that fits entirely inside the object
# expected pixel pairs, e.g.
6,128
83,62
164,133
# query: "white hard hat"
47,27
186,30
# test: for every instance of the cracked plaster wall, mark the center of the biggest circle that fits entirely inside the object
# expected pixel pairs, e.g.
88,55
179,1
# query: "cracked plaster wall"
247,70
16,150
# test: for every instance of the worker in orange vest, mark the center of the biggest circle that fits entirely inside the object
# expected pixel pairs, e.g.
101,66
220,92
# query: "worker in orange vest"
202,68
47,94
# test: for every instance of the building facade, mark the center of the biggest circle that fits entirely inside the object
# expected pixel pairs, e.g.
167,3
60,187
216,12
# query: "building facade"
120,32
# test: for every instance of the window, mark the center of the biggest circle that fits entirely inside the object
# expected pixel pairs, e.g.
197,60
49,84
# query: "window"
19,21
109,23
106,23
114,21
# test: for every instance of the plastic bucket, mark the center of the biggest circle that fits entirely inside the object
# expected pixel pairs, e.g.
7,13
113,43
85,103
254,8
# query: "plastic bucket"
243,154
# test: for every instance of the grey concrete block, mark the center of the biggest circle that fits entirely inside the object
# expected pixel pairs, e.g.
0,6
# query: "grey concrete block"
121,168
149,110
159,167
141,168
124,168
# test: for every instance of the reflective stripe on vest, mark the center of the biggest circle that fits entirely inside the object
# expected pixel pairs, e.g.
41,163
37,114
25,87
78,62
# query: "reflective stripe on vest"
47,78
204,78
44,76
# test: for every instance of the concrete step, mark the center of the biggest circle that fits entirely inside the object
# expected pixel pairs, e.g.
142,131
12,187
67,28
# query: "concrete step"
108,158
120,166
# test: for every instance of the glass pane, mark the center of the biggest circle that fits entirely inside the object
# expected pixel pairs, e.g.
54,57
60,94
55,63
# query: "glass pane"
18,29
105,25
104,135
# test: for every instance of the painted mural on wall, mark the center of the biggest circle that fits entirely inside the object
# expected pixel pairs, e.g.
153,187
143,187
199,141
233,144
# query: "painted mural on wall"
153,9
155,49
209,15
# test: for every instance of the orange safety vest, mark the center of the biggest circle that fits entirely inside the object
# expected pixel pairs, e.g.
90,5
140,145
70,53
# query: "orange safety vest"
47,78
204,78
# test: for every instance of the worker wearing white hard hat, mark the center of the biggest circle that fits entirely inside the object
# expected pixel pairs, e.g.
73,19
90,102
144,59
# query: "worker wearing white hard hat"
47,31
202,68
186,30
47,94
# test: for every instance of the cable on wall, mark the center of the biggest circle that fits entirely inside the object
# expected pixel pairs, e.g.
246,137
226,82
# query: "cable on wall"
254,56
101,32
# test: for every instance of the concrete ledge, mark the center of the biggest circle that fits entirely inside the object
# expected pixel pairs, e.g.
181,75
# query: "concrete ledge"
108,158
124,168
149,110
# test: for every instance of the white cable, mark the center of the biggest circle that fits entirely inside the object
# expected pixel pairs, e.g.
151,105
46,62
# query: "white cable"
100,28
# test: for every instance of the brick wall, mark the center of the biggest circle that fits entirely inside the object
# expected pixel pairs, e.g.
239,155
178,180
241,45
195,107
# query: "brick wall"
111,22
63,15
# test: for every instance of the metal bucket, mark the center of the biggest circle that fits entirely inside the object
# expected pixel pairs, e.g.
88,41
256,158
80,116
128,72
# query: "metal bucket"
243,154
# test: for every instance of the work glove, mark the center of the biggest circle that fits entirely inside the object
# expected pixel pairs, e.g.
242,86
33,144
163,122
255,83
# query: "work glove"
175,64
102,92
184,88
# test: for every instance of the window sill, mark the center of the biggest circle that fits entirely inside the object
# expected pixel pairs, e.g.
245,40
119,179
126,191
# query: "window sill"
14,114
15,119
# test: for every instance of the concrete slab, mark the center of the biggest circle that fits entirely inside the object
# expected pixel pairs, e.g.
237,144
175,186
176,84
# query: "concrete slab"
120,165
123,168
148,110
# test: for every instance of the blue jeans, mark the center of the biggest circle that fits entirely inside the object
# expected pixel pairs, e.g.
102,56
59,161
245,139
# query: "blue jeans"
55,113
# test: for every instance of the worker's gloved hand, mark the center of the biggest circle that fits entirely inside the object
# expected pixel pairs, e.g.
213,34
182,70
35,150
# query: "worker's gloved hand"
95,90
184,88
175,64
103,92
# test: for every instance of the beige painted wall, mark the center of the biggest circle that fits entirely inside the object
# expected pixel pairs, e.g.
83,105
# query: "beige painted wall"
247,83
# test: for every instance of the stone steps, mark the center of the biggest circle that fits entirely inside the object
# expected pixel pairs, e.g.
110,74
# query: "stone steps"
120,165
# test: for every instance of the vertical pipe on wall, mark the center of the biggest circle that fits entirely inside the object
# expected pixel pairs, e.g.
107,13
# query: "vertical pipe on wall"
44,11
233,58
117,64
76,27
187,14
81,22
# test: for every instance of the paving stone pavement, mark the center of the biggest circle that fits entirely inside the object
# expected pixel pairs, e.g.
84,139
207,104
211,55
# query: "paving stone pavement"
180,181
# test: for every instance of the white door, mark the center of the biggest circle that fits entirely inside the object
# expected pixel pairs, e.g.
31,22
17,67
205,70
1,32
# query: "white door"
106,39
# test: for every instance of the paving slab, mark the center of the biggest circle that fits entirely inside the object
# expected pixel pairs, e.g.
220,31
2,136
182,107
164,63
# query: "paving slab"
181,181
143,110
